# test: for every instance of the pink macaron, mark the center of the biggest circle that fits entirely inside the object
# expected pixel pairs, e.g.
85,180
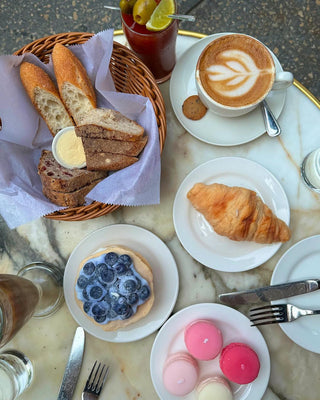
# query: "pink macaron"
180,374
214,387
239,363
203,339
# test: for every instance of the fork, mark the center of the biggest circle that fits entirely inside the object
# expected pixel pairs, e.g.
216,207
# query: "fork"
94,385
277,314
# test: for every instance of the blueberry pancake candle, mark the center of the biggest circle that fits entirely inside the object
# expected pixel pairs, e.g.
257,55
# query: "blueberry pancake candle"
114,287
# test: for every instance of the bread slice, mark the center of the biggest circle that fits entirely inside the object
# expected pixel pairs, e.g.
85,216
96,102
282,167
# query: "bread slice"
45,97
133,148
55,177
74,85
69,199
108,161
104,123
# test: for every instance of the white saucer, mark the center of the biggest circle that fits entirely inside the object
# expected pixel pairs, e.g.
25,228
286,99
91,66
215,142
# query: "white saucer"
196,234
211,128
165,275
300,262
234,326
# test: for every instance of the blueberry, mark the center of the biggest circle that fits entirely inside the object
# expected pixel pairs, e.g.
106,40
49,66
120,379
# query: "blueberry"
85,294
86,307
128,313
104,304
98,311
125,259
82,282
95,292
111,314
88,268
112,296
138,283
133,298
121,268
128,286
106,274
144,292
111,258
129,272
121,306
100,318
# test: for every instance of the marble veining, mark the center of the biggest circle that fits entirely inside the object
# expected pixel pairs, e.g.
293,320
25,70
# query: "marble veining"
294,371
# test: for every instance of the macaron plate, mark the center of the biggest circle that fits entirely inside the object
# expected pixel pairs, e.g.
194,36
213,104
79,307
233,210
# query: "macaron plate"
234,327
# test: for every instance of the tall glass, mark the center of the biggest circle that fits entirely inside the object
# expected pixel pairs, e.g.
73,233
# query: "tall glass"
157,50
16,373
35,291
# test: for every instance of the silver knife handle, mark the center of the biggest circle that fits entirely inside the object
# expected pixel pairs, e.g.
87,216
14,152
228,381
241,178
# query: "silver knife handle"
278,290
269,293
73,367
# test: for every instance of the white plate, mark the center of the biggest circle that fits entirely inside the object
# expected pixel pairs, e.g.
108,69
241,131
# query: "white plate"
234,326
196,234
212,128
165,275
301,262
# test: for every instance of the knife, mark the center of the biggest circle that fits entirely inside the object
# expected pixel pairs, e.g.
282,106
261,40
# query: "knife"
73,367
269,293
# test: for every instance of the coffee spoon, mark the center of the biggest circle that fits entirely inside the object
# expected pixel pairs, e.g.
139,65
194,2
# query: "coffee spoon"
180,17
272,127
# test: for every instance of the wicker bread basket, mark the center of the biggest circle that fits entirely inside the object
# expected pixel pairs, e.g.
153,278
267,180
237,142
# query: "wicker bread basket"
130,75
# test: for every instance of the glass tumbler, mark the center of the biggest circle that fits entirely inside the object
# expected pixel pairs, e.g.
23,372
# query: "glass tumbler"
157,50
310,170
35,292
16,373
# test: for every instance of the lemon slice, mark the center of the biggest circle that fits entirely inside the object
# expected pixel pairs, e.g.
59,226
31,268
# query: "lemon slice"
159,19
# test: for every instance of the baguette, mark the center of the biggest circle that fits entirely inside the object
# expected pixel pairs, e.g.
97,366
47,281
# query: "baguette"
69,199
103,123
74,85
108,161
45,97
54,177
133,148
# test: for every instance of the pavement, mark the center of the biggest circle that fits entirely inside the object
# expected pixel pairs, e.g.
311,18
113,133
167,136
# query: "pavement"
290,28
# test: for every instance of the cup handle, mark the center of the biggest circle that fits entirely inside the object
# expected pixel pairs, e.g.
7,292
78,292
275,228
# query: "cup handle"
282,80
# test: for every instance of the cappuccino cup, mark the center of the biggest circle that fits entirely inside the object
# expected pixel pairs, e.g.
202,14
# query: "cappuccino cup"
235,72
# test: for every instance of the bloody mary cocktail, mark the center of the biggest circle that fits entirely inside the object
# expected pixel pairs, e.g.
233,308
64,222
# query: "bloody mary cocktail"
157,50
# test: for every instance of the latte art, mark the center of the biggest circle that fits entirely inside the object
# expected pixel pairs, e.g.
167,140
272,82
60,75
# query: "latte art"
236,70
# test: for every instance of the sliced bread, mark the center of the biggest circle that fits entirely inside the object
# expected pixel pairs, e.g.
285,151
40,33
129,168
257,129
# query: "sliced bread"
45,97
74,85
108,161
69,199
54,177
103,123
132,148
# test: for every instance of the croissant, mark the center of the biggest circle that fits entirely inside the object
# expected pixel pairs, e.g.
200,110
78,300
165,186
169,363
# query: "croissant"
238,213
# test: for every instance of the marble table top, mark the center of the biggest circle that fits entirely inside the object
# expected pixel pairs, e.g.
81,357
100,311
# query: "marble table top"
294,370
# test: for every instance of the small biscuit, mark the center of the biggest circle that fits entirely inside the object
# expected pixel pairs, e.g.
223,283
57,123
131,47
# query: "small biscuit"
193,108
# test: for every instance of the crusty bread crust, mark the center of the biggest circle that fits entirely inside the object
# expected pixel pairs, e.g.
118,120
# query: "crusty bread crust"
60,179
45,97
105,123
143,268
74,85
97,145
69,199
107,161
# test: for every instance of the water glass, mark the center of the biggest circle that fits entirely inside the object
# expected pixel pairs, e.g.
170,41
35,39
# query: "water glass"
16,373
310,170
